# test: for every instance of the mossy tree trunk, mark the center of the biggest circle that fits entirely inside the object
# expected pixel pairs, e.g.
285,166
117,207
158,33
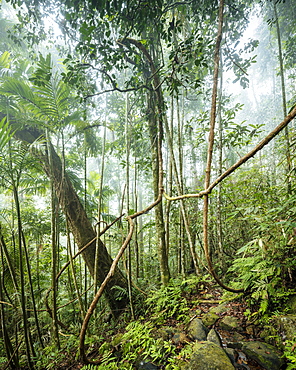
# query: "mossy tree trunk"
79,223
155,140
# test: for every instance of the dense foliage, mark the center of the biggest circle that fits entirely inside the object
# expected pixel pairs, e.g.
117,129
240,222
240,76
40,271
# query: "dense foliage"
105,150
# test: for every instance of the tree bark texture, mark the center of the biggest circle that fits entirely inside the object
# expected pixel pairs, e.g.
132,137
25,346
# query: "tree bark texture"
159,217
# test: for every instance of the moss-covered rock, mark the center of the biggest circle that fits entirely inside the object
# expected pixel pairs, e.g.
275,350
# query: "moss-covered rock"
165,332
209,318
264,354
220,309
232,354
180,338
214,337
229,323
196,330
209,356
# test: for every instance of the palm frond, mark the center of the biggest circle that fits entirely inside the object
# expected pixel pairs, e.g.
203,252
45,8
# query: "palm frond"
50,87
5,133
5,63
45,95
21,91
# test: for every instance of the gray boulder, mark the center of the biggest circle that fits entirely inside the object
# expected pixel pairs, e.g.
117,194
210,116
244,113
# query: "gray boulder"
214,337
220,309
196,330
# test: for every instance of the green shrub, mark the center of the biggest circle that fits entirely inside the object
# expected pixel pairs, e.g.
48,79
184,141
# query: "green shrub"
168,303
290,354
260,270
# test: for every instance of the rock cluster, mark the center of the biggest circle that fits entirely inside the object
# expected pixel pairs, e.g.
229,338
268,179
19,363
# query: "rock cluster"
211,352
219,341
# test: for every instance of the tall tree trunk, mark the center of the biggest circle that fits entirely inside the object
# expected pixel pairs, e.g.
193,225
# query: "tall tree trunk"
220,170
54,247
179,185
155,141
210,151
128,150
79,224
156,112
286,132
22,279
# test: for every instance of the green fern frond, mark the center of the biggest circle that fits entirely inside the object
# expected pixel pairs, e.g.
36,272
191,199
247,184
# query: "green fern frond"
89,367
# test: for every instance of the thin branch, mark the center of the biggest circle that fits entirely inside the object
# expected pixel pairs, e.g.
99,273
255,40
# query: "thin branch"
116,89
113,83
241,161
233,61
9,304
172,6
87,245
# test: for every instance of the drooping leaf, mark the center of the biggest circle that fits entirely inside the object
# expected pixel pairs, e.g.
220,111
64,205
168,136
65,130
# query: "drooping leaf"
5,133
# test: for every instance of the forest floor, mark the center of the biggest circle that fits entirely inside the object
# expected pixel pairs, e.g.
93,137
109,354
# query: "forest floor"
200,302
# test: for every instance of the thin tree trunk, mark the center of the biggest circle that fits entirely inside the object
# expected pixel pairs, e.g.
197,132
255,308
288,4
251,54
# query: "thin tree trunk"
140,236
77,289
32,290
155,141
286,132
220,163
136,239
54,247
22,280
100,204
182,202
10,354
169,184
128,144
85,207
210,151
156,111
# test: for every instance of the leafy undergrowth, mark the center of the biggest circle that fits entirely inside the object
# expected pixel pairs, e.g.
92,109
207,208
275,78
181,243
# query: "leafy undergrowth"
151,338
